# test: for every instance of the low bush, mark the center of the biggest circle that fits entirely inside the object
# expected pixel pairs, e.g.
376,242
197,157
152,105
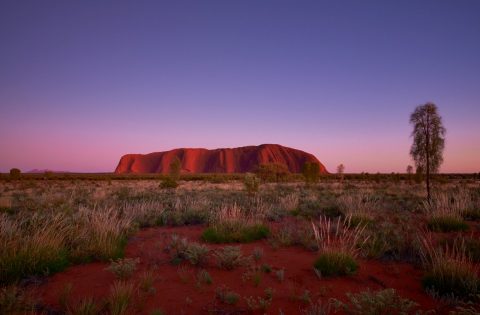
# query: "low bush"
197,254
230,257
226,296
203,277
294,233
260,302
123,268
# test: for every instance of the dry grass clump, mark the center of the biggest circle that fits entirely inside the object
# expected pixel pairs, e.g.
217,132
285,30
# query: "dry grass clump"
361,207
445,212
46,242
14,300
385,301
294,233
145,213
32,245
232,224
99,233
289,202
451,272
121,297
338,244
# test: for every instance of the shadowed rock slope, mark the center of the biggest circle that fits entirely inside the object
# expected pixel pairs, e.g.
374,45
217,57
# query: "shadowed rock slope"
225,160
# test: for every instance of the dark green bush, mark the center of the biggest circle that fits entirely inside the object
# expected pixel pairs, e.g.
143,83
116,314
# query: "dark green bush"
335,264
242,234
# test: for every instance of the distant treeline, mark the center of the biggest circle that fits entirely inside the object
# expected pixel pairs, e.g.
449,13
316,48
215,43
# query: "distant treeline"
220,177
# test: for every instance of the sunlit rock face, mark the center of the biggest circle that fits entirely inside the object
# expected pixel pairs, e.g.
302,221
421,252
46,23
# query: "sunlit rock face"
225,160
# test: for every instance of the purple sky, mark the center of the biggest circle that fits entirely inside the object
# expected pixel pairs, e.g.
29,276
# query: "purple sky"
84,82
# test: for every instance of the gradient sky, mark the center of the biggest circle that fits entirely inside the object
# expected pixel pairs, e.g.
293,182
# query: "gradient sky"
84,82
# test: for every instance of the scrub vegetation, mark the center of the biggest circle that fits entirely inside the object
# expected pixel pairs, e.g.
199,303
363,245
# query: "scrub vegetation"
237,248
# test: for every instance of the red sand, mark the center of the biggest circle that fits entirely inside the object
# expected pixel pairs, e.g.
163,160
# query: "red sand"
175,296
234,160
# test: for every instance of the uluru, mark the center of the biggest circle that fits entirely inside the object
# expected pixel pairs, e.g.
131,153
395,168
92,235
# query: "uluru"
222,160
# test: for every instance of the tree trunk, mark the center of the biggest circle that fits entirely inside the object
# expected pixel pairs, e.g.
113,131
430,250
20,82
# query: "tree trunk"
427,144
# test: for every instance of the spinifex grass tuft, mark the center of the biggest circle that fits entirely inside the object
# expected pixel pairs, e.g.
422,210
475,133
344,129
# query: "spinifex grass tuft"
120,298
445,212
338,245
231,225
451,272
361,207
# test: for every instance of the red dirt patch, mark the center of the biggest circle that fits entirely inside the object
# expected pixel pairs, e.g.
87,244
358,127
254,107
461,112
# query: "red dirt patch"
177,292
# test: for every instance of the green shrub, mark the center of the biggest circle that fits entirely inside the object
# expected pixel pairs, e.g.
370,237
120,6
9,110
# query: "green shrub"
335,264
447,224
243,234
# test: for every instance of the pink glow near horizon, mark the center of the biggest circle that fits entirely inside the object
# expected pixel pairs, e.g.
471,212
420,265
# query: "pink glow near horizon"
338,80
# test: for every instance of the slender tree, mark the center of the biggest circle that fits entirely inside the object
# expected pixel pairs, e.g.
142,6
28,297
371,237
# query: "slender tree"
340,171
409,170
428,140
